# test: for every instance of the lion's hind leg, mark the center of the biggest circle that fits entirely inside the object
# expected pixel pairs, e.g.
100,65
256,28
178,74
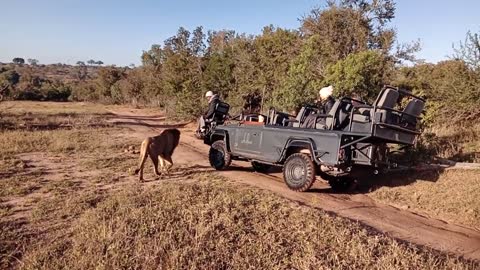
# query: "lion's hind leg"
143,156
155,164
168,160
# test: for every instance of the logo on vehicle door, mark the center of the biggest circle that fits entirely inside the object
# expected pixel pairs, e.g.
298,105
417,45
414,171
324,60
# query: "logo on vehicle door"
246,139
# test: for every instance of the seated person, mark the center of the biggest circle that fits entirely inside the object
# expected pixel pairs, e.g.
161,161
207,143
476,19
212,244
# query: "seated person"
213,100
325,99
324,103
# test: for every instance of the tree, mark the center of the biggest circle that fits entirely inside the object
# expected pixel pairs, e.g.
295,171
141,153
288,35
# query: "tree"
107,78
363,74
18,61
274,50
303,79
32,62
91,62
469,50
351,26
98,63
80,63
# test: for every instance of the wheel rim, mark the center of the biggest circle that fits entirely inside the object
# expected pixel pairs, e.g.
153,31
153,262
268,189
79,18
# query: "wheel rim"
296,173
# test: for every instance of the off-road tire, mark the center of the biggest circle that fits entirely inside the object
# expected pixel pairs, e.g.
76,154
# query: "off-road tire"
260,167
219,157
299,172
342,184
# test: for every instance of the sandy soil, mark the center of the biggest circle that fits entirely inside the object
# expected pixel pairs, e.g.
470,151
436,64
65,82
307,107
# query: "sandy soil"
398,223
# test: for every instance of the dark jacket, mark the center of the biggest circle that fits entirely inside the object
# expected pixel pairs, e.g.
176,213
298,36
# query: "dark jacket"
211,107
326,105
329,104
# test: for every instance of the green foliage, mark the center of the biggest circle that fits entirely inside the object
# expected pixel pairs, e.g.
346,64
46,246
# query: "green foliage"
303,81
363,74
351,26
451,87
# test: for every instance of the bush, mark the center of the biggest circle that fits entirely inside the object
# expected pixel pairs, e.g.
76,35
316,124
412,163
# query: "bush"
363,73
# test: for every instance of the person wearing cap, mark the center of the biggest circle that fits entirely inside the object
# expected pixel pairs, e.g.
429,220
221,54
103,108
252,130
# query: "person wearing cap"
213,100
325,99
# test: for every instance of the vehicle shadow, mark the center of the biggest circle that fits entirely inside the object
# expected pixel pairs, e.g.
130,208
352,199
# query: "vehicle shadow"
366,182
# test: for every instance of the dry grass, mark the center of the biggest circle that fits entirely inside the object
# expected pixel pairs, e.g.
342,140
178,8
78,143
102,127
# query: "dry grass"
214,224
451,195
459,143
51,108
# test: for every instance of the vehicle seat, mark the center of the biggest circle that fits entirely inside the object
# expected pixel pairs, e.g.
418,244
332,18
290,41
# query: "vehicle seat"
413,110
388,99
220,113
303,114
299,118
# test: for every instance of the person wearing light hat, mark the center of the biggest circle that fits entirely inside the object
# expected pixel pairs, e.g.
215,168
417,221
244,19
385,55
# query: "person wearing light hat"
325,99
213,100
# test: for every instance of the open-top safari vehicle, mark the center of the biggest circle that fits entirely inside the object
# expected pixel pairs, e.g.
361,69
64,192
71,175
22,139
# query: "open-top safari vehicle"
352,137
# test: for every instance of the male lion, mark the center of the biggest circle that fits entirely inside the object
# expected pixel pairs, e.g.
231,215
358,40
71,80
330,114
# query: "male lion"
161,146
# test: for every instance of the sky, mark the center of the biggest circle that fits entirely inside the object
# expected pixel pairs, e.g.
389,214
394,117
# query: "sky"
117,31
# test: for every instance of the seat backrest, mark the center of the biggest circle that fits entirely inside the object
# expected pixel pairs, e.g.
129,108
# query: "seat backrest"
387,99
414,107
279,119
302,115
329,122
221,110
299,117
413,110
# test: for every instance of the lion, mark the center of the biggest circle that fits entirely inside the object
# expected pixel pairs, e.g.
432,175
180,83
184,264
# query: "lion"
161,146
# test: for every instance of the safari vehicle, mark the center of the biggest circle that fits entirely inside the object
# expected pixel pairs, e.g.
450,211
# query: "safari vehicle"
352,138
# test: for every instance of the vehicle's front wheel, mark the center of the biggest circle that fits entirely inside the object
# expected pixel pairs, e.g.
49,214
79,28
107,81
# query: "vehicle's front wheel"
260,167
219,156
299,172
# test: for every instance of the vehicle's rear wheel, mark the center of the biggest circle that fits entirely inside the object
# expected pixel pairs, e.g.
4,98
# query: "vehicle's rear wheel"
299,172
260,167
219,156
342,184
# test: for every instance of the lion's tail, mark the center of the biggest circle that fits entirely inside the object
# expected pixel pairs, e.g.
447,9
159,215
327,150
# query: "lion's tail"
143,154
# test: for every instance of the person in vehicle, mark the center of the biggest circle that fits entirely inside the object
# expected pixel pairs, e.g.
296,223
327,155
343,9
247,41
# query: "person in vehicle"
213,100
324,103
325,99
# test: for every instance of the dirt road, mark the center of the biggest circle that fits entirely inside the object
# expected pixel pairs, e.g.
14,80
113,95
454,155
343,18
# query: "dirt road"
398,223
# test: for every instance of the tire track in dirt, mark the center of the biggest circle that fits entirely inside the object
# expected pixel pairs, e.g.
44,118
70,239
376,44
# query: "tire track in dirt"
398,223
